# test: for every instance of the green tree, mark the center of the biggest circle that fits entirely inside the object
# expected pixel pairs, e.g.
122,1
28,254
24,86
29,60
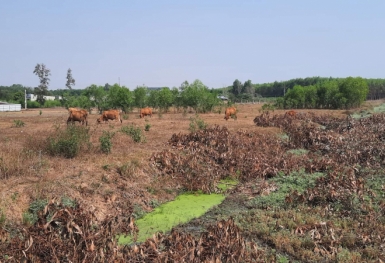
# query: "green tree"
248,88
176,98
165,99
18,97
140,96
97,95
354,90
119,98
152,99
70,80
295,97
325,94
237,87
43,73
310,97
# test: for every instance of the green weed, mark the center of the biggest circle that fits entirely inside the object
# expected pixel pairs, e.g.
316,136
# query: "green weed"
68,142
18,123
196,123
105,141
134,132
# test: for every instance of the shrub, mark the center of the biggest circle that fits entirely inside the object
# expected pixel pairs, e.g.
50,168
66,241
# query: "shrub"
33,104
30,217
197,123
51,104
128,169
147,127
135,133
18,123
105,141
68,142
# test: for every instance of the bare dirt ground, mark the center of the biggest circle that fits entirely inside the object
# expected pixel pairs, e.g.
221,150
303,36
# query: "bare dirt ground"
92,178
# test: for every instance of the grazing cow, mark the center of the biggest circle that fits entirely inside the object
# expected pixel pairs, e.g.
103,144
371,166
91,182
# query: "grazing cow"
230,111
291,113
78,115
145,111
70,110
110,115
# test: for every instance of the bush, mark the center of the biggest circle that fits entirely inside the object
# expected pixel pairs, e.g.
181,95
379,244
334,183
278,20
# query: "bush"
68,142
52,104
105,141
147,127
30,217
33,104
135,133
18,123
197,124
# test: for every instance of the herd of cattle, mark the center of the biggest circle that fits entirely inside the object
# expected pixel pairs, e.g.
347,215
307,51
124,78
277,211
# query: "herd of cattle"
80,115
76,115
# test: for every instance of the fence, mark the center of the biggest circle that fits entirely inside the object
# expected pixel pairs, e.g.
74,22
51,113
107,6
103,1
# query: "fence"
10,107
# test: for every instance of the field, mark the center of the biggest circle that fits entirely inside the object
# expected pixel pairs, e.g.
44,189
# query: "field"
271,206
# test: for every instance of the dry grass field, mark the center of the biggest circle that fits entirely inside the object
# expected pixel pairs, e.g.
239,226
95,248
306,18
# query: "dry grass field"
29,175
127,175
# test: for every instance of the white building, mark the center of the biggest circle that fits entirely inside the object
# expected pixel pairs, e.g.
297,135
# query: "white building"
33,97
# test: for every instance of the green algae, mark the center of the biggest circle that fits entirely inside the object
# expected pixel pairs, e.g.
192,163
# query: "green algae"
183,209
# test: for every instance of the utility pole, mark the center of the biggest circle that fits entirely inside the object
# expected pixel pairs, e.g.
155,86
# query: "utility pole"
25,99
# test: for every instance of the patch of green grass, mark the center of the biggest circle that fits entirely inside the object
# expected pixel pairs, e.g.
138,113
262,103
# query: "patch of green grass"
298,151
296,181
380,108
68,202
227,183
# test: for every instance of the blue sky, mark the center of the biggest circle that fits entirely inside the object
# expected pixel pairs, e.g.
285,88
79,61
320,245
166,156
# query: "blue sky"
165,42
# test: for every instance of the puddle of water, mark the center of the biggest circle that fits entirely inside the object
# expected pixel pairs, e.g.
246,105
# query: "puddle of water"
183,209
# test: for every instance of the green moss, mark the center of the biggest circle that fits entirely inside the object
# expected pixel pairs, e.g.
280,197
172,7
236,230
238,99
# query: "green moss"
298,151
227,183
299,181
184,208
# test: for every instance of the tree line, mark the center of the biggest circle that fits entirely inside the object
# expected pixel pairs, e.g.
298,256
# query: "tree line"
332,94
194,95
313,92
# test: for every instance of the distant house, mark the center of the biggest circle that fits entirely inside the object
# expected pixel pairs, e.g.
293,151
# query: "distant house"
33,97
221,97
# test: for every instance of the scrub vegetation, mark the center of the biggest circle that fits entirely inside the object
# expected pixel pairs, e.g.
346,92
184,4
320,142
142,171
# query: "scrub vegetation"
309,188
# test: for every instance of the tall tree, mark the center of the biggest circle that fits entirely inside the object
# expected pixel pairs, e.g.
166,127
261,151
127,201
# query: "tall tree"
248,88
354,90
43,73
237,87
140,96
70,79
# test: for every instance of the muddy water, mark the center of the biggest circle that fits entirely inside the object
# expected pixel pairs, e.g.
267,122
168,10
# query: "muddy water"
183,209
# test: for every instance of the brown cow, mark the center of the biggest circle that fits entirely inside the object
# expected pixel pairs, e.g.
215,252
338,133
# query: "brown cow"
145,111
291,113
230,111
110,115
78,115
